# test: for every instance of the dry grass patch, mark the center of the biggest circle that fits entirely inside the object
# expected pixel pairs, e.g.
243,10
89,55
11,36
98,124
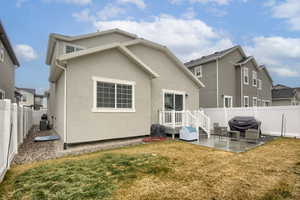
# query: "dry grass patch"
185,171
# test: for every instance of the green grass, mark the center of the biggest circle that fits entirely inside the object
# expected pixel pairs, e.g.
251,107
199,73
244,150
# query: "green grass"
94,178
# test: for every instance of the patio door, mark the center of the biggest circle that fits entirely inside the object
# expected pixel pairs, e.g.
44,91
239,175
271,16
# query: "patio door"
173,101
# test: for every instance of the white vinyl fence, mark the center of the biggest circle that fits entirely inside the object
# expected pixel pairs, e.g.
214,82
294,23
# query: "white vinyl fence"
15,124
276,120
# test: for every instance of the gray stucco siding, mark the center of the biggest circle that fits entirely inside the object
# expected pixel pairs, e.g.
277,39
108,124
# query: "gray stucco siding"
83,125
171,77
7,75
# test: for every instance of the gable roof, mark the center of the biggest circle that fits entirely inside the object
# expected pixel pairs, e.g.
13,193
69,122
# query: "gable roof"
168,53
30,90
283,93
118,46
214,56
54,36
5,40
264,68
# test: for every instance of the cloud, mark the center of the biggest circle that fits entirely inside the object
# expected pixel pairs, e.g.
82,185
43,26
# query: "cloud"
187,38
280,54
25,52
288,10
284,72
219,2
110,11
189,14
139,3
84,16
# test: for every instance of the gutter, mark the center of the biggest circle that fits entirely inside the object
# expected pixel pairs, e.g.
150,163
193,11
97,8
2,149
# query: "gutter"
65,102
217,62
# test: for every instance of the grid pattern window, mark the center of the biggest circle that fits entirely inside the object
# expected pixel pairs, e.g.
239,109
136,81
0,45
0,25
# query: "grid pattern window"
124,96
2,94
1,55
254,78
246,101
198,71
246,75
70,49
254,100
113,95
106,95
228,101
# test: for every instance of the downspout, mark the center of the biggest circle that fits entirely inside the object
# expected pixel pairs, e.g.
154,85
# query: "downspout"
217,61
65,102
242,81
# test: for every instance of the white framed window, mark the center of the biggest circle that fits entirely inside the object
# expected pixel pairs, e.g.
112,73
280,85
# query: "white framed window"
227,102
173,100
258,102
1,55
246,101
246,75
254,78
266,103
198,71
112,95
70,48
254,101
2,94
259,82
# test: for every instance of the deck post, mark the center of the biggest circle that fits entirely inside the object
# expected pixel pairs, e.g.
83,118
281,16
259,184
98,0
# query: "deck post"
173,123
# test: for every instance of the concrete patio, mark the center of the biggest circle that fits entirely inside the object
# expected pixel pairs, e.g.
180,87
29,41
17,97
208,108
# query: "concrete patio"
228,144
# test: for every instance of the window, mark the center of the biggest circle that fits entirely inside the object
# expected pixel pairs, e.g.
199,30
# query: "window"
227,101
246,101
259,82
2,94
254,78
198,71
24,98
254,99
173,100
72,48
246,75
266,103
1,55
258,102
112,95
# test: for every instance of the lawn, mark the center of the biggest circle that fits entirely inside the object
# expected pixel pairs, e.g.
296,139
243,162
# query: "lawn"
163,170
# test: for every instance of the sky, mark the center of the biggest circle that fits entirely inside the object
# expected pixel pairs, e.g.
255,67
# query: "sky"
269,30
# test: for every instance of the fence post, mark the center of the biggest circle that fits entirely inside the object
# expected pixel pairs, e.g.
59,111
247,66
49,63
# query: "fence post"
15,127
6,129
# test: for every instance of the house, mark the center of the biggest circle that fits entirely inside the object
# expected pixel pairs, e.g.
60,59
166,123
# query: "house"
8,64
285,96
40,101
232,79
27,97
112,84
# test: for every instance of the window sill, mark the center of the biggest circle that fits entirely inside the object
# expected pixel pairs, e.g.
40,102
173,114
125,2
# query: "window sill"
112,110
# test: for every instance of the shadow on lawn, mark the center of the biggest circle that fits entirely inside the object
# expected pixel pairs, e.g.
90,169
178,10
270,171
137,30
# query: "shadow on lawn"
95,178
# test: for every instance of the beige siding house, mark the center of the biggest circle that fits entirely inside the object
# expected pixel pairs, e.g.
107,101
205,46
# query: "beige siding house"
232,79
112,84
8,64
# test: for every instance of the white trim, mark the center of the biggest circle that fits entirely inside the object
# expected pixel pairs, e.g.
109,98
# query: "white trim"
3,92
231,101
246,74
114,81
242,103
198,69
183,93
254,74
259,84
246,97
254,98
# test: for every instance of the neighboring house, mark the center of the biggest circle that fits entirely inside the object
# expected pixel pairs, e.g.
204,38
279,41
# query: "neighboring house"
285,96
40,101
27,97
232,79
8,64
112,84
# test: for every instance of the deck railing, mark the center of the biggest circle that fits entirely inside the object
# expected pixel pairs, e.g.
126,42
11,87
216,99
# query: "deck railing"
195,118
